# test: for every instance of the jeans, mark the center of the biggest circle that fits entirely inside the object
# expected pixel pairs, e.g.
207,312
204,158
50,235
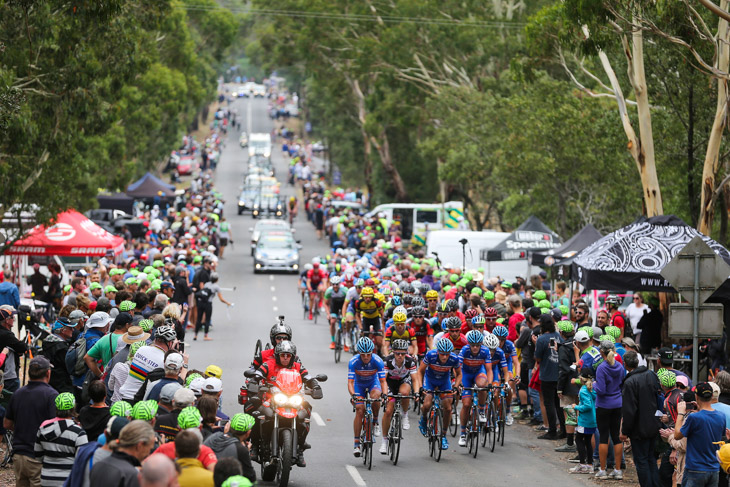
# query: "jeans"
552,406
692,478
535,400
645,460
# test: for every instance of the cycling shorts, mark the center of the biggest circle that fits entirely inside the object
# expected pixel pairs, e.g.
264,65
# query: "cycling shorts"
394,384
350,313
443,385
361,386
367,323
469,380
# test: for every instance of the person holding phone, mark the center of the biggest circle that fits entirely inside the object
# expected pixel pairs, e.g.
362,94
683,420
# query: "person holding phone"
546,355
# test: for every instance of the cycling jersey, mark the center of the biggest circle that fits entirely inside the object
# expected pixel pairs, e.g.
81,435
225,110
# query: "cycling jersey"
422,332
499,362
393,334
459,343
403,371
338,298
438,375
316,276
473,365
369,310
366,376
509,351
591,358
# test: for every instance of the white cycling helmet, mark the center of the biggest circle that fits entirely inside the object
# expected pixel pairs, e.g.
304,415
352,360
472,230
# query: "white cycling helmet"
335,280
308,267
491,341
400,309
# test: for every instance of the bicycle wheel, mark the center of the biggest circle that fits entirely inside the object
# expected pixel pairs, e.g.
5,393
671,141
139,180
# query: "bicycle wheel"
368,451
492,420
338,346
474,433
394,438
454,420
502,421
8,453
440,434
430,429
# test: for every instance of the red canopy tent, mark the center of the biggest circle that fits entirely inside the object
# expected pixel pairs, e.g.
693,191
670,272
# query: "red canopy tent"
72,235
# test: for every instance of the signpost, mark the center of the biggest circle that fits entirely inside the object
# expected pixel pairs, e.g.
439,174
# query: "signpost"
696,272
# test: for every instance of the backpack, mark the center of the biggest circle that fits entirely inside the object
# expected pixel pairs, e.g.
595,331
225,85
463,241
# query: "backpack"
203,294
75,364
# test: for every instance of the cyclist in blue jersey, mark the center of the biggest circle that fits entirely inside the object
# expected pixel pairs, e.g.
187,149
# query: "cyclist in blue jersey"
499,361
435,373
513,365
365,371
476,370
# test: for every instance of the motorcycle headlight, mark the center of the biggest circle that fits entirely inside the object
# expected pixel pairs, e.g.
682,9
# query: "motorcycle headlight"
295,401
280,399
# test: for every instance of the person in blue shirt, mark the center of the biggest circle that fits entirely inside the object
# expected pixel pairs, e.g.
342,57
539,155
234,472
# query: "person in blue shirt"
475,370
702,429
435,374
365,372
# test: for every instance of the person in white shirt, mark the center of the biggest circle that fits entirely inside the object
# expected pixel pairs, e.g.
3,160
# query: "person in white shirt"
634,312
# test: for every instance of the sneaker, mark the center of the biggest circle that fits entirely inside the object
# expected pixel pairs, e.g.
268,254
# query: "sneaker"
534,422
444,443
376,429
509,420
462,440
601,475
332,345
482,417
575,459
548,436
566,449
581,469
356,451
300,460
542,427
422,426
406,422
311,317
616,475
522,415
384,447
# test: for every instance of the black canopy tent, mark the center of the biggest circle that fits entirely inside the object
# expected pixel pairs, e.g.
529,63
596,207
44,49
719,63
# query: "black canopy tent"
150,186
632,257
532,235
116,201
554,257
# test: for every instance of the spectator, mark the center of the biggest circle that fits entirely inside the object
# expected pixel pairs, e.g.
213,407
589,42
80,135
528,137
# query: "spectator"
103,350
54,349
640,424
147,359
208,406
57,441
702,429
666,361
586,409
158,471
187,449
13,348
28,408
120,468
650,326
166,424
37,282
93,453
634,312
96,328
609,376
190,419
232,443
175,372
9,294
95,416
567,389
524,342
120,372
546,355
167,393
225,469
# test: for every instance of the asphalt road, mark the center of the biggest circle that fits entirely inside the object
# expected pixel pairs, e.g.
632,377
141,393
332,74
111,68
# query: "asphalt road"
259,299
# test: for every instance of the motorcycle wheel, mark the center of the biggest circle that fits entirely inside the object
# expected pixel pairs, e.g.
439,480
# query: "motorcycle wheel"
285,458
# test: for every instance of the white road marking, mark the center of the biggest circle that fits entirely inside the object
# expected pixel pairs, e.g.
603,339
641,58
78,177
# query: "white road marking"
276,309
249,106
273,298
355,475
273,289
271,278
318,419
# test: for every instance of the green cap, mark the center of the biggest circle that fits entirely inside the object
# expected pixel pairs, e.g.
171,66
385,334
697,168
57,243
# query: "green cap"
67,288
146,325
145,410
182,263
121,408
489,295
436,274
539,295
94,285
416,267
480,270
468,276
608,338
447,289
454,278
110,289
506,284
564,309
158,263
614,331
500,320
544,303
155,285
148,269
131,280
588,330
566,326
189,418
242,422
134,272
545,310
197,259
127,306
65,401
668,379
237,481
190,378
477,290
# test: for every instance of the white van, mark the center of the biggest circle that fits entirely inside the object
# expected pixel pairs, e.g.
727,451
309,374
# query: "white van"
419,219
259,144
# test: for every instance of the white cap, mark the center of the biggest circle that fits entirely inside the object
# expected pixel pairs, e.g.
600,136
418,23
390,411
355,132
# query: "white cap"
197,385
174,361
98,320
212,384
582,337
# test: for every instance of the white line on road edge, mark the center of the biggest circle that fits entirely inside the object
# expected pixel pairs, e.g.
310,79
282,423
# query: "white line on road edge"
249,107
318,419
355,475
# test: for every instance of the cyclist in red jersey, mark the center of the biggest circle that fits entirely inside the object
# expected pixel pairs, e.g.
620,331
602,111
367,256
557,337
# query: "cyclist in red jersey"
422,329
453,333
490,317
316,281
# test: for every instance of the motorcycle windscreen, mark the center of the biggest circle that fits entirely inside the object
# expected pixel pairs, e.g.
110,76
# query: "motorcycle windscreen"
289,381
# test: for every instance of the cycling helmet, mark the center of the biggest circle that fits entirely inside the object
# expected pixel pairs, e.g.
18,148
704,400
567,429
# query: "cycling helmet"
452,305
365,345
478,320
236,481
285,346
166,333
369,282
397,292
424,288
360,283
418,301
444,346
432,294
408,299
280,329
400,345
471,313
500,331
65,401
396,301
453,323
242,422
335,280
544,303
315,261
491,341
490,313
367,291
402,286
475,337
399,317
189,418
612,299
308,267
400,309
146,325
121,408
417,311
408,288
379,296
443,306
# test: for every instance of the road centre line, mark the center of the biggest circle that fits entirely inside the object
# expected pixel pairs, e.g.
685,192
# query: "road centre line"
355,475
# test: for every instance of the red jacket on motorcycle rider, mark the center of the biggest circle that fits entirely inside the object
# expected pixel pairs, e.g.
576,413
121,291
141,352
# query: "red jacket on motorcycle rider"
279,332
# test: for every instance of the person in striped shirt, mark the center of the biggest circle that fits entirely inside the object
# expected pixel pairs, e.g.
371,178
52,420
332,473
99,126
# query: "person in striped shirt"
146,359
57,441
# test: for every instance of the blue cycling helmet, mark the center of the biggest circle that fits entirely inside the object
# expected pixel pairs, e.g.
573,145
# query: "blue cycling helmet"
478,320
360,283
396,301
500,331
366,345
445,346
474,337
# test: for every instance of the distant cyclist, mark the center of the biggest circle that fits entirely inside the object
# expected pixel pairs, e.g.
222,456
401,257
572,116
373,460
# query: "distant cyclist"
334,299
316,281
513,365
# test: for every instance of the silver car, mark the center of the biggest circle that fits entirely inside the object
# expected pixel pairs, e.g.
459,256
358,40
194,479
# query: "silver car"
267,225
276,251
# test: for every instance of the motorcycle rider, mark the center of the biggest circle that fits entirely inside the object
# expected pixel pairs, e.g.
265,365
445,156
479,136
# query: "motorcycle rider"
279,332
285,357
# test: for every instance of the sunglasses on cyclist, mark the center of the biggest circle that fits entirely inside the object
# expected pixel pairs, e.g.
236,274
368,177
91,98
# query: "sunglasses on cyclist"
432,300
399,353
285,355
281,337
478,327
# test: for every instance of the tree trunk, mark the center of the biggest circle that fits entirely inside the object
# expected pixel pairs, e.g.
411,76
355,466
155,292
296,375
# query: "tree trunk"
712,157
691,154
723,215
367,146
383,148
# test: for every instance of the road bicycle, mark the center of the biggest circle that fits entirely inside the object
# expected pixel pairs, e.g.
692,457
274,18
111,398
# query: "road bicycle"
435,426
489,430
474,426
395,432
502,412
366,432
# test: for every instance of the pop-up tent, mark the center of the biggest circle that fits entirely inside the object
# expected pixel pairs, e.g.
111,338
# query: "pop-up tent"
149,186
72,235
586,236
632,257
116,201
533,235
